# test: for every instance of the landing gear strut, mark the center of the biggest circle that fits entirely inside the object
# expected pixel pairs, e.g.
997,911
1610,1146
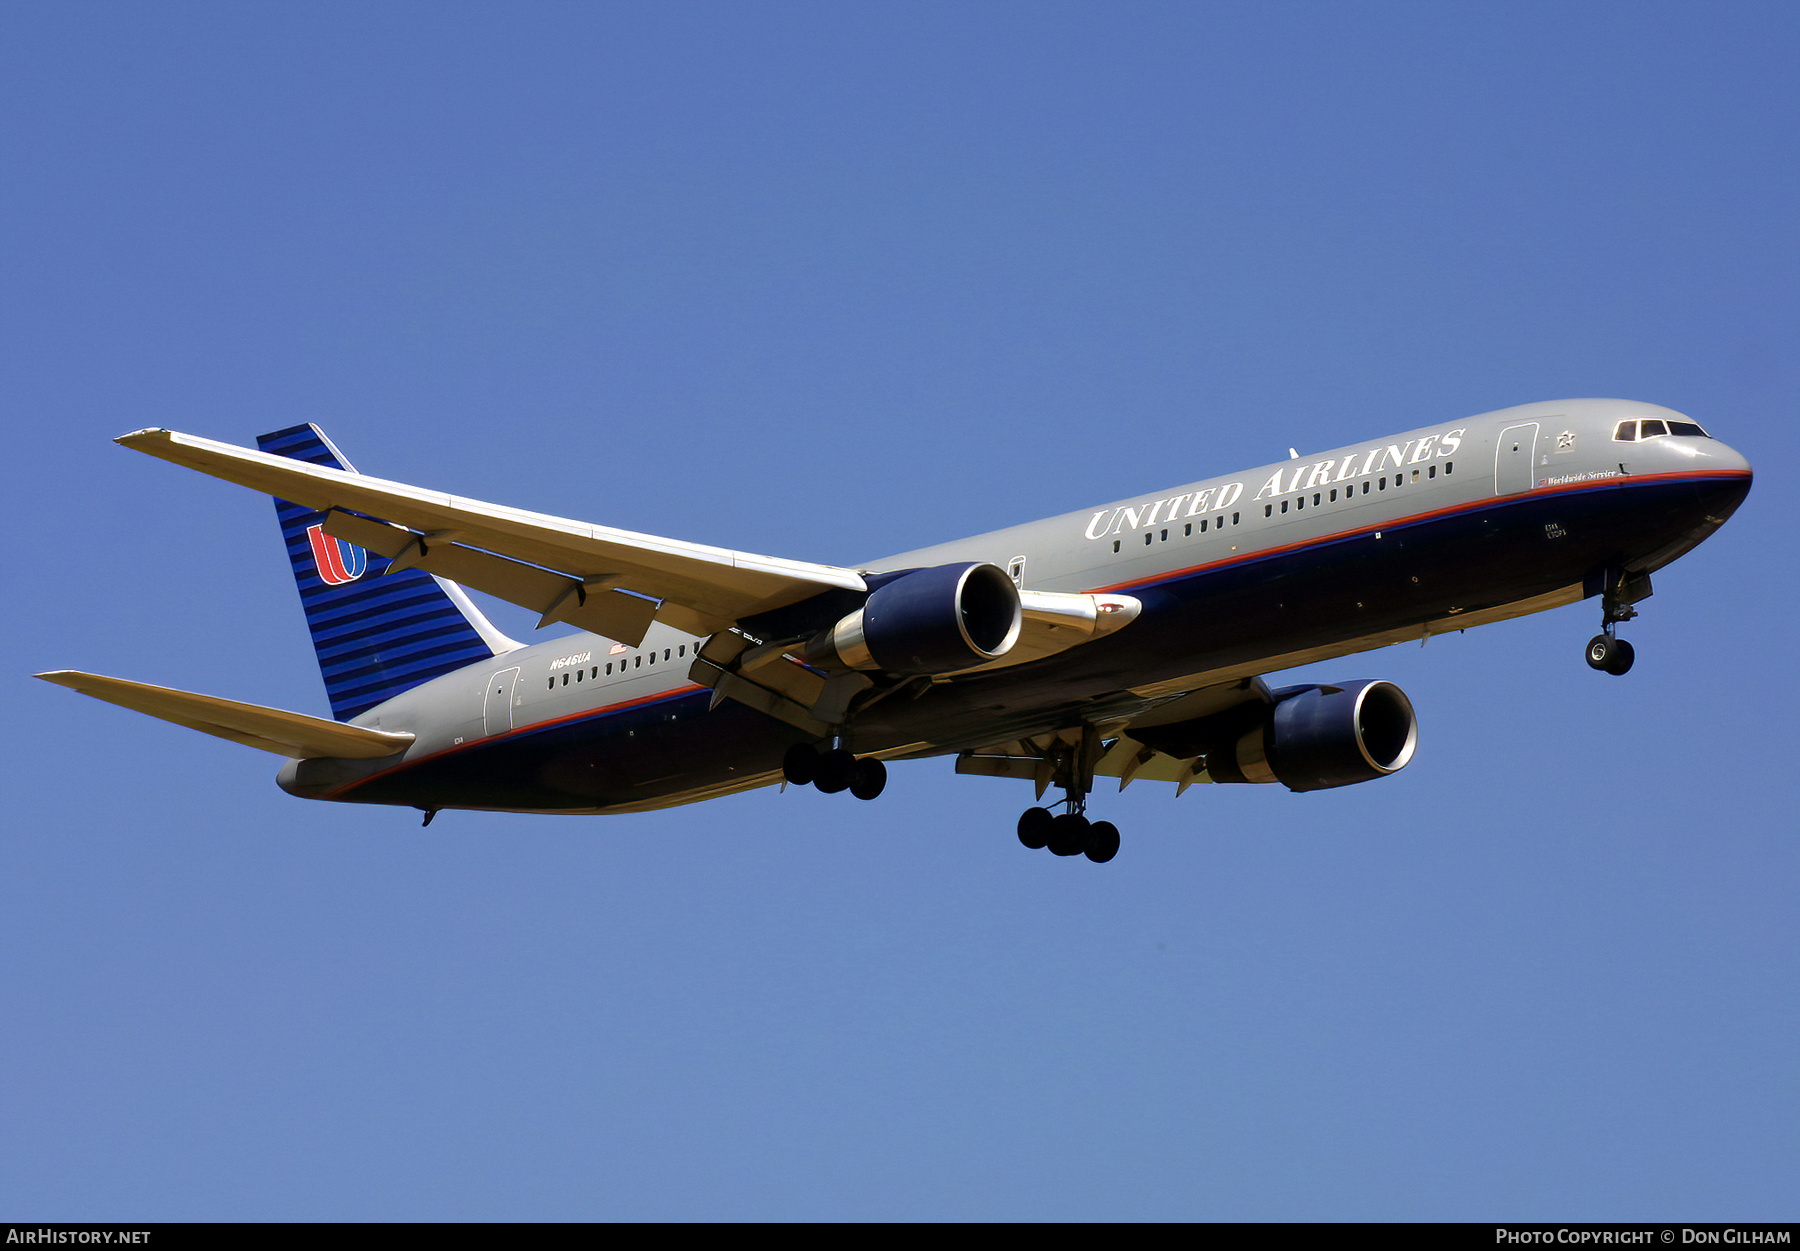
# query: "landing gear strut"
834,771
1070,833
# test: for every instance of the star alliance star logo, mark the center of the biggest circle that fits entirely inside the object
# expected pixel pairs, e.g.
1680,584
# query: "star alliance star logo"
1565,442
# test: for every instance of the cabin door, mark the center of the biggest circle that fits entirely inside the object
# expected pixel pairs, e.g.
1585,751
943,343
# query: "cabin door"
1514,457
497,705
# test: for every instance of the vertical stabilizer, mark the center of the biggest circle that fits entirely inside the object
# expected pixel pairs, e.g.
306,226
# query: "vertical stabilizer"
375,635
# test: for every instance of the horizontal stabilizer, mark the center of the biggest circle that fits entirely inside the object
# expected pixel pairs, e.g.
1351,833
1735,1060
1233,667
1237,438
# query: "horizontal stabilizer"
267,729
702,589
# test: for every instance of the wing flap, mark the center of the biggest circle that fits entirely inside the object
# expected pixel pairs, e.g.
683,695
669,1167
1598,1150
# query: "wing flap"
1035,760
254,725
713,585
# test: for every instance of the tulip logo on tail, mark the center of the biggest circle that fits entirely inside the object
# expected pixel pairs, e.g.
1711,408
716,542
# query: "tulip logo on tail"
338,562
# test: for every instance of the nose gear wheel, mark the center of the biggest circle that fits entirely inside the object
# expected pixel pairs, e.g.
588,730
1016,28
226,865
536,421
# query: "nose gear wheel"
1610,655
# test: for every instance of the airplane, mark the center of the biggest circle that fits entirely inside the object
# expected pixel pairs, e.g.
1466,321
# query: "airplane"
1128,641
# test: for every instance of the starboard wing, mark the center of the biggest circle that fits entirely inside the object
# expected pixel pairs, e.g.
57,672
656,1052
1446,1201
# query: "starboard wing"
524,557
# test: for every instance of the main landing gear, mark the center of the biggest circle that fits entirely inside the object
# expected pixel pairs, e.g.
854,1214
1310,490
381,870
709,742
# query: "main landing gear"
1069,834
1606,651
834,770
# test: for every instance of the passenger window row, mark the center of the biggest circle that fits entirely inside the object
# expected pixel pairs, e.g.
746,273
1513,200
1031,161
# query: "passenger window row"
1187,531
1379,484
1318,500
593,673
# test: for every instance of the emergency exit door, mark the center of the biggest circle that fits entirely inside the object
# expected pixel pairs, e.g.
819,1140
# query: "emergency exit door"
497,706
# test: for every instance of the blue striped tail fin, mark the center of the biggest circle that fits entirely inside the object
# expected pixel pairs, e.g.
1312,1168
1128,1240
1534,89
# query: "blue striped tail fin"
376,636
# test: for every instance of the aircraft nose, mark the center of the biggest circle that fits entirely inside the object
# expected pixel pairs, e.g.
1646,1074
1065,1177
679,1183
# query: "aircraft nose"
1731,485
1720,458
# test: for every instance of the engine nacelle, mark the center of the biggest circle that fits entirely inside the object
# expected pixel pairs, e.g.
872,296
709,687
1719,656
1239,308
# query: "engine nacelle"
928,621
1308,738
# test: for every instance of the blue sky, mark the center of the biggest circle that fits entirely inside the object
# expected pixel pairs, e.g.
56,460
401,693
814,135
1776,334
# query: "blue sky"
834,281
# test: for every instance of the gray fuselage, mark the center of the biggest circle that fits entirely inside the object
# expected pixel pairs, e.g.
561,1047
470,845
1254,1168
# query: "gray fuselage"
1436,529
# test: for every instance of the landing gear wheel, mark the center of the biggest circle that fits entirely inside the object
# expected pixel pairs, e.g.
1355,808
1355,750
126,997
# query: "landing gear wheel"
867,778
1623,655
800,764
1068,834
1602,652
1034,827
1103,842
834,771
1610,655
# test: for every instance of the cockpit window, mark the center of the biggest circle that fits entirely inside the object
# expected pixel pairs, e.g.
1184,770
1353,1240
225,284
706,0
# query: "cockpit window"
1628,432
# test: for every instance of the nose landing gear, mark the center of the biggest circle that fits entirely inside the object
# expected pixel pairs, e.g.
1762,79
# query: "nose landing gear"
1607,652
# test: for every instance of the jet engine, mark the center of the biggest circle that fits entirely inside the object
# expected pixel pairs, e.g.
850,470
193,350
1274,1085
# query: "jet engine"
1308,738
927,621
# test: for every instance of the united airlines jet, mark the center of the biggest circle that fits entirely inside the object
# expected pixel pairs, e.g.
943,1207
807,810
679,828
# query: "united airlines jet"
1127,641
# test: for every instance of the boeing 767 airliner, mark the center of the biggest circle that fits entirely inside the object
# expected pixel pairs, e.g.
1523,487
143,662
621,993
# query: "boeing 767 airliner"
1127,640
